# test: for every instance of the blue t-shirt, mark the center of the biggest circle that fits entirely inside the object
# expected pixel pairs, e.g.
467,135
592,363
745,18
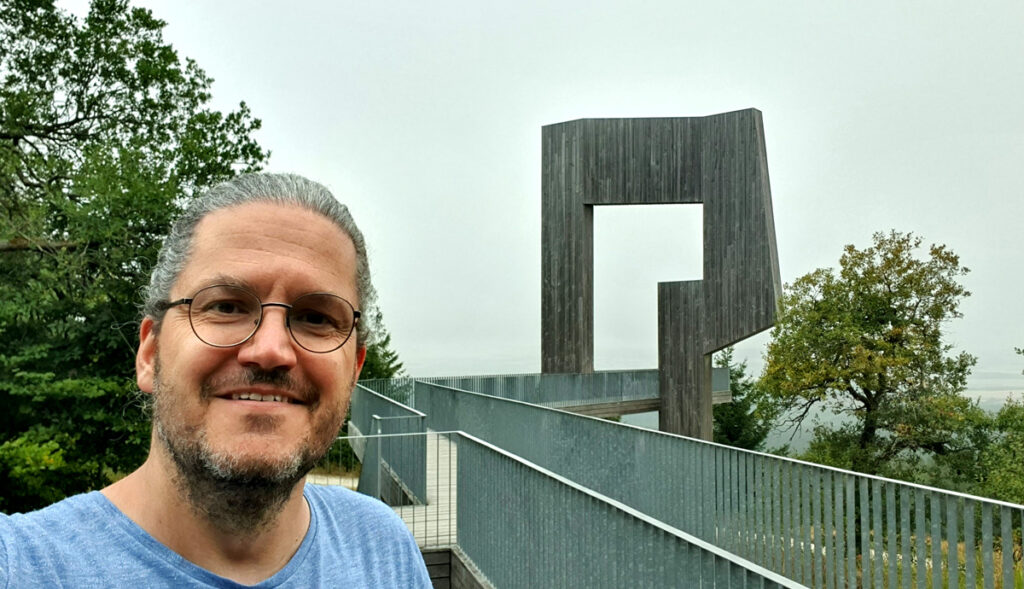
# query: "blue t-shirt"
85,541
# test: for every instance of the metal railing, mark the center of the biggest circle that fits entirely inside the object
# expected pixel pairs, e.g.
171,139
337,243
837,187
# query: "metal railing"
403,458
520,525
820,526
396,389
551,390
367,402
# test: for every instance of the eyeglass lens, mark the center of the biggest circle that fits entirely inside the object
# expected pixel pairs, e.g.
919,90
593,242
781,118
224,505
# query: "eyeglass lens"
226,316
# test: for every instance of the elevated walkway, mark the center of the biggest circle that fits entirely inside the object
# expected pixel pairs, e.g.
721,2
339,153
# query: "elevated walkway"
607,393
548,488
435,522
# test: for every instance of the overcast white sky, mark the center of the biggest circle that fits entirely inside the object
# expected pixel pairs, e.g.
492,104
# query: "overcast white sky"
425,118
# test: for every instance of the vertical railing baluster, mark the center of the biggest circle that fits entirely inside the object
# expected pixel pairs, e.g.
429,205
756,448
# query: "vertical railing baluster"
807,526
719,495
907,562
743,488
971,568
732,484
891,536
877,546
726,521
870,531
922,553
769,513
776,516
767,468
756,532
935,512
851,531
987,555
1020,549
707,524
817,531
952,542
760,525
693,490
700,502
784,530
793,539
828,539
1006,534
838,511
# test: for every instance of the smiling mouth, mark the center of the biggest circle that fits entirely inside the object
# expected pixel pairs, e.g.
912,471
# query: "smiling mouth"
263,398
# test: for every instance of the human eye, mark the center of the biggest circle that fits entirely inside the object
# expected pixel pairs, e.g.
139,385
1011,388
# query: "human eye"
314,319
224,304
320,314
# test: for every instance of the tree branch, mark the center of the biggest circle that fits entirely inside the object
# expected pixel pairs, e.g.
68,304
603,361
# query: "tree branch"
20,244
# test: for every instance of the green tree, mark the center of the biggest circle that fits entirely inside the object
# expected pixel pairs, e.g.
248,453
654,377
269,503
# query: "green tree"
1000,468
867,343
104,134
1000,464
747,420
381,360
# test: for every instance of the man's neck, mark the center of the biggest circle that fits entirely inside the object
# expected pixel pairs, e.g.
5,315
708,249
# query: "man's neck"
152,499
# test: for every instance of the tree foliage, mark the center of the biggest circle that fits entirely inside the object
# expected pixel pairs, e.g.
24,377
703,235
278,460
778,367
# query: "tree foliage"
1001,465
745,422
104,134
381,360
868,343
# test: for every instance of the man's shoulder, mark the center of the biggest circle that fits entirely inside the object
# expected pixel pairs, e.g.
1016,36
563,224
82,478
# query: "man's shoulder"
368,535
336,503
54,519
51,541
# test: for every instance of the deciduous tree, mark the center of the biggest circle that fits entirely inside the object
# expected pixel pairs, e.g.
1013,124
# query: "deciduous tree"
104,134
867,342
1001,463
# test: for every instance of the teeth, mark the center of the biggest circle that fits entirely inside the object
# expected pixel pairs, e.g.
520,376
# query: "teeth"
259,397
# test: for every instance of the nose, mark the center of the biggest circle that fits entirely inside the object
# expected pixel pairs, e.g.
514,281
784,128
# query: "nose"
272,346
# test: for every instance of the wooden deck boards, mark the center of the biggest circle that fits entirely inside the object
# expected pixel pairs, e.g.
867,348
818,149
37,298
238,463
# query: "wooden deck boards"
433,524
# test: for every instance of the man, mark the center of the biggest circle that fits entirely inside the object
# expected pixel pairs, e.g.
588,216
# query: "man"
250,345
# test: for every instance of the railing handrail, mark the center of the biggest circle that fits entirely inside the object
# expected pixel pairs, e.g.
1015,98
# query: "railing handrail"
766,455
798,519
390,400
702,544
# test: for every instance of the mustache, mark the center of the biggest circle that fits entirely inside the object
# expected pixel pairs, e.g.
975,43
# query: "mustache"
280,379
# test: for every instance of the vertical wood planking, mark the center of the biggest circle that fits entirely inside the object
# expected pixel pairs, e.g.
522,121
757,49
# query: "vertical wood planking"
718,160
567,252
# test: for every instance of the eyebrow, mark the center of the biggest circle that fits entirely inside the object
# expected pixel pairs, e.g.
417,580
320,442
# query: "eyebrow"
226,280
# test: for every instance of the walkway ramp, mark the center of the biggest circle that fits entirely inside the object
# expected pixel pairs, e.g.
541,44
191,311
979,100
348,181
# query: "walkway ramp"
434,524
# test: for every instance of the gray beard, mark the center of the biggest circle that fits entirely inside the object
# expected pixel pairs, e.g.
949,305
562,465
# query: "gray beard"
233,496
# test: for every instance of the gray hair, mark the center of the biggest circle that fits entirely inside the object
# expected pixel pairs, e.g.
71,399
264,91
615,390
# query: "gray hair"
286,189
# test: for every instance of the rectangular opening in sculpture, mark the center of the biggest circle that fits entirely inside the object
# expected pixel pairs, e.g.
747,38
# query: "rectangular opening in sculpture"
635,247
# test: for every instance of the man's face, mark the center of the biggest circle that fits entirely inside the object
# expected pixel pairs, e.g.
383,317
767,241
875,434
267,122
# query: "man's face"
279,252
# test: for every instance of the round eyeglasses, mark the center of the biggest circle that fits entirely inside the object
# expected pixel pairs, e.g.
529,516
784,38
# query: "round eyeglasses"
225,316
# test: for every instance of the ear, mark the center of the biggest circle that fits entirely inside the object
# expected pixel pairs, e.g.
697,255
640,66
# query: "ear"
360,360
145,357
